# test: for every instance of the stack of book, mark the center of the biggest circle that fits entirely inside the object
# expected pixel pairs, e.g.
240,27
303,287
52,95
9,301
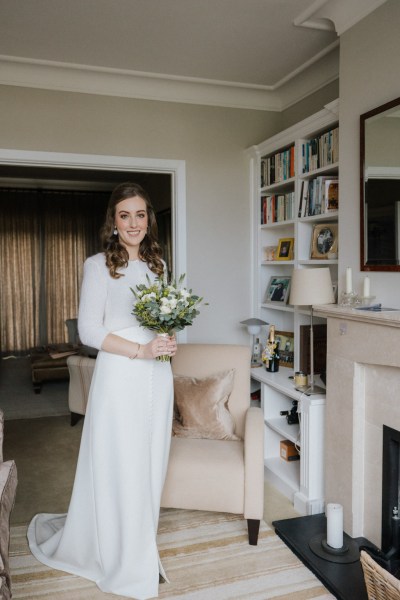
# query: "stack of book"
277,207
320,151
278,167
318,196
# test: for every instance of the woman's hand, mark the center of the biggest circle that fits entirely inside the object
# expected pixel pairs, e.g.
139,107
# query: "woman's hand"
159,346
156,347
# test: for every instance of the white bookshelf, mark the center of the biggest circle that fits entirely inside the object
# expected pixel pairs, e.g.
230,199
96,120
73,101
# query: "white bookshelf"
286,317
302,481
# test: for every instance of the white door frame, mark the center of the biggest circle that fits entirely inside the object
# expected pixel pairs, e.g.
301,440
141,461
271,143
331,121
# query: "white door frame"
177,169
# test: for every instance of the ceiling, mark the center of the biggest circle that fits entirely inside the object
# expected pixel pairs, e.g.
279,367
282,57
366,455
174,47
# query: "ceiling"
226,52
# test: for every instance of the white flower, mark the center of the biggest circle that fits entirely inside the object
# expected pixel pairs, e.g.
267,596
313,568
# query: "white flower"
148,297
184,293
173,302
165,309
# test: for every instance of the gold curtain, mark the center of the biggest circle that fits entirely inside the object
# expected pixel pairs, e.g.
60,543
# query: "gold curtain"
44,242
20,271
71,231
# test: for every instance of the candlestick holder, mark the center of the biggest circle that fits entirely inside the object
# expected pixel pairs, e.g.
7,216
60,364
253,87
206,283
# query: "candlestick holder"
367,300
350,299
348,553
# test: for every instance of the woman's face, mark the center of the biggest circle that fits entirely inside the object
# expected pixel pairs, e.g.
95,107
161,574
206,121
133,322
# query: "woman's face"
131,221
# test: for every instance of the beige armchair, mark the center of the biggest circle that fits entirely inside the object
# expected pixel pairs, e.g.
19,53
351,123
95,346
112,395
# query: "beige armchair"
8,487
205,474
220,475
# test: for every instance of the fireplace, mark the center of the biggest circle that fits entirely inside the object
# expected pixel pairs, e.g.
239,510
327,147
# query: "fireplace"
390,492
363,383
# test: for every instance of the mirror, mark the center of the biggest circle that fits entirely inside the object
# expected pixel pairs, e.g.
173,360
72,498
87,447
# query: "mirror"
380,188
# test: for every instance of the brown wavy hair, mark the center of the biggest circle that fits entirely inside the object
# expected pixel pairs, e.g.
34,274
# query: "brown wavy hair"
116,254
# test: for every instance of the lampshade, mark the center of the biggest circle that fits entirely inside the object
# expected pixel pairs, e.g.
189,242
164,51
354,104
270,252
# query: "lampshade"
253,325
311,286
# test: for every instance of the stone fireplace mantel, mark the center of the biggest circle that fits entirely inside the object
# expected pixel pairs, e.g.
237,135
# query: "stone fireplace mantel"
363,394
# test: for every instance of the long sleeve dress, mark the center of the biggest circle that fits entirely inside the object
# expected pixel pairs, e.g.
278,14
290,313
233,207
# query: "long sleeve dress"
109,532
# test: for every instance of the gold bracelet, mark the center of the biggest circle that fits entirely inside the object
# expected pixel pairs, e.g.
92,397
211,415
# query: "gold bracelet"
133,357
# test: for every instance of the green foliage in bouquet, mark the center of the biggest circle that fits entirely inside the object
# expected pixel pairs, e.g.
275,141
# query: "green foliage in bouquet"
165,307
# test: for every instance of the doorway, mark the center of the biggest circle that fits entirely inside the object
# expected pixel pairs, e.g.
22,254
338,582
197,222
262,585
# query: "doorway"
163,180
168,192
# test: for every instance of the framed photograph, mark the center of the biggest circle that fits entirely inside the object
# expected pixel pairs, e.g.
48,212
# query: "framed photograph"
286,348
324,243
285,249
277,291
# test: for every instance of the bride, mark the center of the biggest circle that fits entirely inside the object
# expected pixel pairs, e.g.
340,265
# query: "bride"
109,532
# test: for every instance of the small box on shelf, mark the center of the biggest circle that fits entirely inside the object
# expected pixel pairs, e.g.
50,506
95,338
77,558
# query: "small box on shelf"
288,451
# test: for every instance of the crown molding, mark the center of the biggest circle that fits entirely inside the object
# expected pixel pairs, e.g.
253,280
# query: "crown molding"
66,77
336,15
309,81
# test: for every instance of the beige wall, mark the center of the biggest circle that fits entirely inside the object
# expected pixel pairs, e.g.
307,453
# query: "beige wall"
312,104
369,67
211,141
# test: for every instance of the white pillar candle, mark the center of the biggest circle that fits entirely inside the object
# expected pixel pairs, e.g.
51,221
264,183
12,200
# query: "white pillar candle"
367,287
349,283
334,535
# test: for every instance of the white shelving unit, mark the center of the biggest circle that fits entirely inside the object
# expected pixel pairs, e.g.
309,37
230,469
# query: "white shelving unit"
286,317
302,481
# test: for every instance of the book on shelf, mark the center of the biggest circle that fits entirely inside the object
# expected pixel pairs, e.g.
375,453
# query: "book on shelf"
303,203
331,194
277,207
319,196
277,167
320,151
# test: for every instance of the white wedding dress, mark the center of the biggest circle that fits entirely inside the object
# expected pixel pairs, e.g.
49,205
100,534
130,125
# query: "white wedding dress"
109,533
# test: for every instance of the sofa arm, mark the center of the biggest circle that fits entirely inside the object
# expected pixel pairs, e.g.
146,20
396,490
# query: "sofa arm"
80,376
8,487
254,464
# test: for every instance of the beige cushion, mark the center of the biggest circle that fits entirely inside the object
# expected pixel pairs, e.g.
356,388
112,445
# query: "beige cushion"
201,406
206,475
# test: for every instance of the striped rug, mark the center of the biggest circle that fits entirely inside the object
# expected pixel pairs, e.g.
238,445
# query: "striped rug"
206,556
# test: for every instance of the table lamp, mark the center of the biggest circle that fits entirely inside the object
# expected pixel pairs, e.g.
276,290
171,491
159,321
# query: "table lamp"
308,287
254,327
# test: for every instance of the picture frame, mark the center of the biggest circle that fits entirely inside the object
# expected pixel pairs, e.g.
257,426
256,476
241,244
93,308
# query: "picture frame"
286,348
278,289
324,242
285,249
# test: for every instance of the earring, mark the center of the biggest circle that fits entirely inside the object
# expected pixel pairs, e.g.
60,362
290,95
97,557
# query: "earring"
115,231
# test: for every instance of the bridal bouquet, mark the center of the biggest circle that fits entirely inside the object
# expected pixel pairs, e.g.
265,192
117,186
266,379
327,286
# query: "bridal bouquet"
165,307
